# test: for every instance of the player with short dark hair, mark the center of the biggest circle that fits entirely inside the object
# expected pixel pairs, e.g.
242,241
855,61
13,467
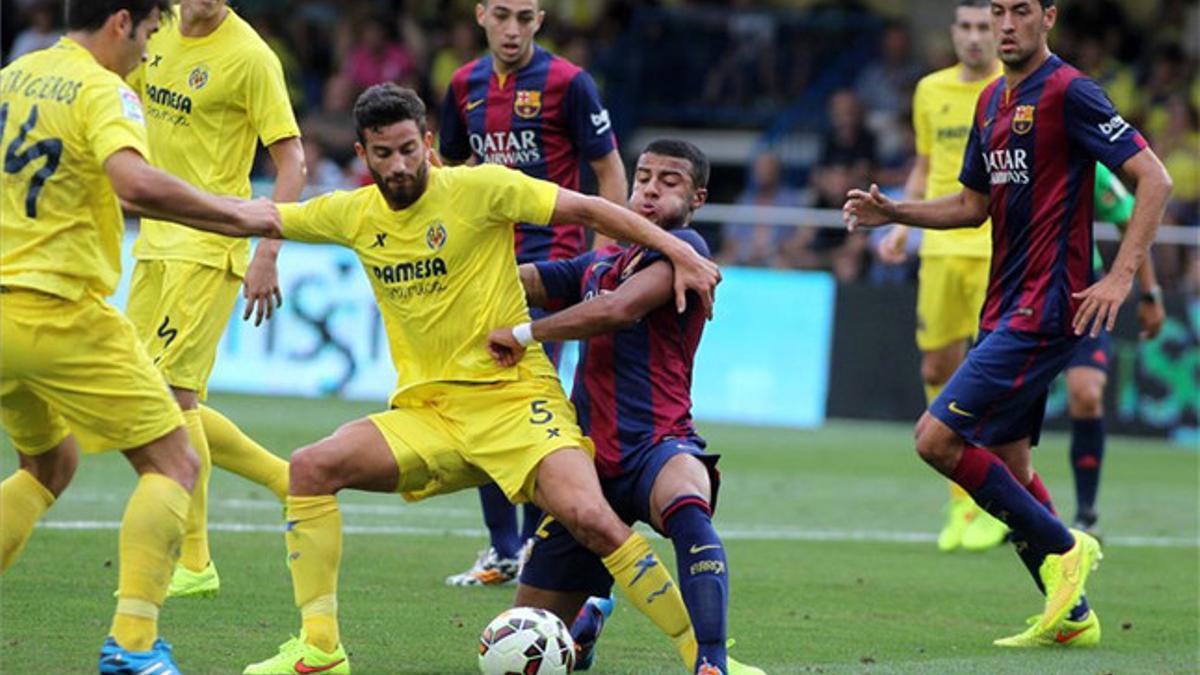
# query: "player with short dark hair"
525,108
1030,164
436,244
72,372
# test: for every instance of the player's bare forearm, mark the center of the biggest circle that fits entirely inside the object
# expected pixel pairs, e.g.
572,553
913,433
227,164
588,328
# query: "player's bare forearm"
614,221
952,212
535,290
1153,188
147,191
644,292
612,185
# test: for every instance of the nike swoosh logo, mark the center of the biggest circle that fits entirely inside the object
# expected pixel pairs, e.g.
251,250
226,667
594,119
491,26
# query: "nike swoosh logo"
307,670
696,549
471,105
959,411
1063,638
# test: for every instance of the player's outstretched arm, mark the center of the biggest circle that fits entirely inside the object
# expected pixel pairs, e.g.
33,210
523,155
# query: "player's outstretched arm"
871,208
151,192
693,272
1102,300
644,292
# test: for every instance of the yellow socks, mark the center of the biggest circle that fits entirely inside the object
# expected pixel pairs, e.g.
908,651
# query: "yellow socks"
314,543
151,532
649,587
236,452
194,554
23,500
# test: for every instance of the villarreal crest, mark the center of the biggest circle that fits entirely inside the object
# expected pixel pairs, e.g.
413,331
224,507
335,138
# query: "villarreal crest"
435,236
1022,119
528,103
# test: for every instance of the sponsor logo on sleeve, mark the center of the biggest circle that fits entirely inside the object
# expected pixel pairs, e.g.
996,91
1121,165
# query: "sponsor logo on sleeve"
601,122
1113,128
131,106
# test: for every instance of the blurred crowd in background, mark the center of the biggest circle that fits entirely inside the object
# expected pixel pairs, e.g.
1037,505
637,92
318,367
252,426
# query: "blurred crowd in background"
812,97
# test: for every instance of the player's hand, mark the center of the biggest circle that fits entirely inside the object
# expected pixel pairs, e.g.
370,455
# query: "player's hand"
893,248
694,272
1151,317
1101,301
867,209
260,218
504,348
261,286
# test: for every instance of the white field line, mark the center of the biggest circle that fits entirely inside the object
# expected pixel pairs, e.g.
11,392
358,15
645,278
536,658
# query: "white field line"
730,533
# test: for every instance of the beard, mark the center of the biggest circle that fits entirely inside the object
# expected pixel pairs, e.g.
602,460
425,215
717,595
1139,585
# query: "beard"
402,195
1017,61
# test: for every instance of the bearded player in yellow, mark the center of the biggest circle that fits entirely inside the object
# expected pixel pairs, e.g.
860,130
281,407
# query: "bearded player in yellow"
436,245
212,89
954,263
72,372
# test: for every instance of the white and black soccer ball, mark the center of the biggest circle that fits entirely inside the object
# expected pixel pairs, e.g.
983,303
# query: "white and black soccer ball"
526,641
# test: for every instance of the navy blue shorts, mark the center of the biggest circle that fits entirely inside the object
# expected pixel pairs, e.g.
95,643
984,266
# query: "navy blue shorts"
1093,352
998,395
559,563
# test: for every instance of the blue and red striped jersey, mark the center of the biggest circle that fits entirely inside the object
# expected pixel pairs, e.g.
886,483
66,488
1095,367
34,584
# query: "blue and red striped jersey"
1033,150
633,387
542,120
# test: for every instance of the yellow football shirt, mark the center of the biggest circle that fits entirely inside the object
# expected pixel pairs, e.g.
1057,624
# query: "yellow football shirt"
208,102
943,106
62,115
442,270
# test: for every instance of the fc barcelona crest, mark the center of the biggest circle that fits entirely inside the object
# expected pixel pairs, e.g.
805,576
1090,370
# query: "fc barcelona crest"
528,103
1022,119
435,236
198,78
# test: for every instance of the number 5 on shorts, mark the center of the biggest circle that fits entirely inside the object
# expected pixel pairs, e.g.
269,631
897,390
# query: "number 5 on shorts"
540,414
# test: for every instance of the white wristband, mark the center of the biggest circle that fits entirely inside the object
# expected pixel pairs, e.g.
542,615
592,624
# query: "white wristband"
523,334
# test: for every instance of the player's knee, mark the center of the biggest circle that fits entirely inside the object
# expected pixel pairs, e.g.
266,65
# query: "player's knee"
595,526
54,469
1086,401
933,450
310,473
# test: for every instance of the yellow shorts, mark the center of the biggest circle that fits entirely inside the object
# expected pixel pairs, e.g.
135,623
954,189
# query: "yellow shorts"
180,310
452,436
950,295
77,367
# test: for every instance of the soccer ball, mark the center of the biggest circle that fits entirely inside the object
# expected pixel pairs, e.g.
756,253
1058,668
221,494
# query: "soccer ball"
526,641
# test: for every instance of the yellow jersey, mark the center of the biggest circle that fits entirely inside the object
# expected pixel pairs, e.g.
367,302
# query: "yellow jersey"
943,107
208,102
442,270
62,115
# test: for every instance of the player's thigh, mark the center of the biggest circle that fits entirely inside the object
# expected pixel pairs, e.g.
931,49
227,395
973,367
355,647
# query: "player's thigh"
559,564
509,428
425,449
357,455
947,311
998,395
181,310
79,364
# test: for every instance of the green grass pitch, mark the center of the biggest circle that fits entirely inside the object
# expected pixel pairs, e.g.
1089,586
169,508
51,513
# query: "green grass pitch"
829,535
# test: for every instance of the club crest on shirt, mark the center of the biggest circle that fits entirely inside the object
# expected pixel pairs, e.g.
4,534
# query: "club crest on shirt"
435,236
198,78
1023,119
528,103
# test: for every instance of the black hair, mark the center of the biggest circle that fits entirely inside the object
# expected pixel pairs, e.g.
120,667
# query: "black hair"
385,104
1047,4
673,147
90,15
974,3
